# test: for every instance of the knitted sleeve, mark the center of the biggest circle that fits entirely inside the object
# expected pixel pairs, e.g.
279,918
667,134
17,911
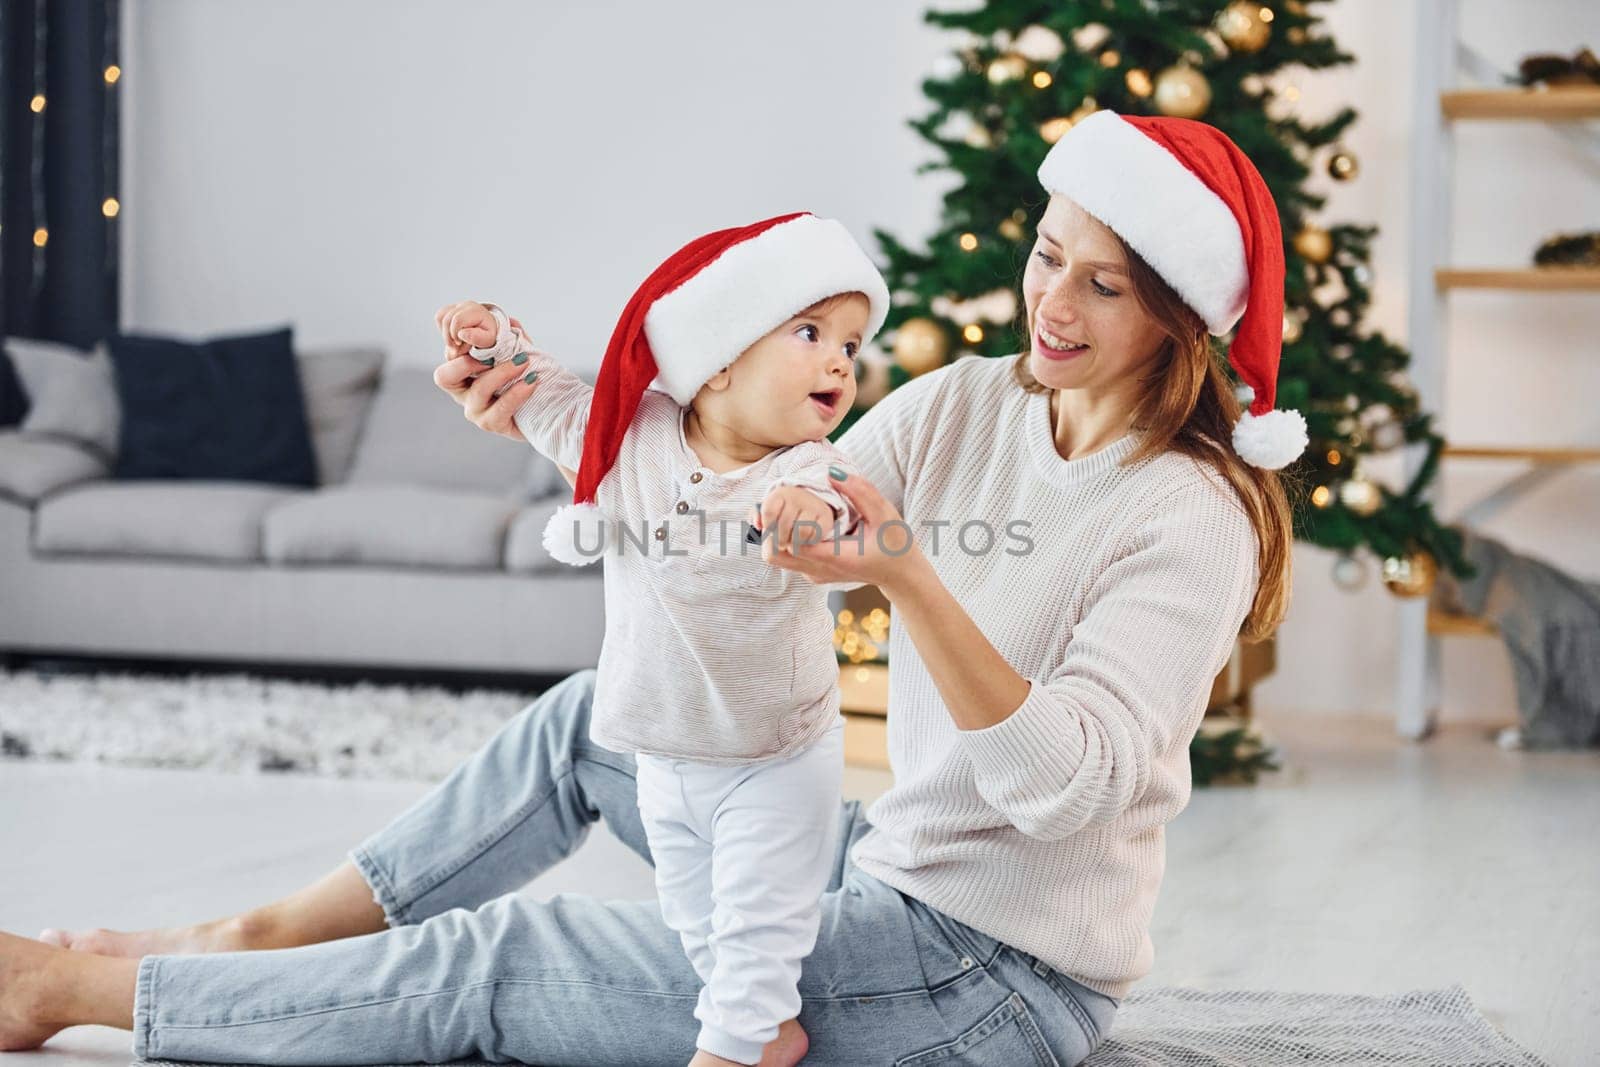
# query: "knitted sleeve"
1158,624
806,465
555,415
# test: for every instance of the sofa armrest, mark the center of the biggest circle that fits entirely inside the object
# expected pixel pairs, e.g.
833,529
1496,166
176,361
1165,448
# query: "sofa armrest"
32,465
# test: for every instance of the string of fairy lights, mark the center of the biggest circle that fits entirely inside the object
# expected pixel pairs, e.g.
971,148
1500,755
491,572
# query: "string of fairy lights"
38,105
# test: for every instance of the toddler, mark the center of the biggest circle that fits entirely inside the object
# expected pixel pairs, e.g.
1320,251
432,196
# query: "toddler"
726,372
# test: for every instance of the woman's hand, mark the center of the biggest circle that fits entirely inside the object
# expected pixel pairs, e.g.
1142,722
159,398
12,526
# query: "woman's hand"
489,396
881,551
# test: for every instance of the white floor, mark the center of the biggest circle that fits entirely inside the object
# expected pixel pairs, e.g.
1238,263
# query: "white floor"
1369,865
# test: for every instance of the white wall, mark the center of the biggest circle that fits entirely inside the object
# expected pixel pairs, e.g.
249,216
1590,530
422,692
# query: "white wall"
349,167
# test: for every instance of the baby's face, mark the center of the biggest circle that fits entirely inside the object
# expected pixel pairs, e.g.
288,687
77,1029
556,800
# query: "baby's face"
797,382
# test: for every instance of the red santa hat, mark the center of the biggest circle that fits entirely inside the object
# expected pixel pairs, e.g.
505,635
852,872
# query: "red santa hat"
694,315
1184,197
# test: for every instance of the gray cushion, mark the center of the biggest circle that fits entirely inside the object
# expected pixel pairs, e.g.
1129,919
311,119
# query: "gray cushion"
218,521
381,525
71,393
338,384
33,466
525,553
415,435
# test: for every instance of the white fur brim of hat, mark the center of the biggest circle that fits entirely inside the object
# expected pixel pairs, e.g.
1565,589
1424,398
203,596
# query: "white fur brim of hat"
749,291
1182,229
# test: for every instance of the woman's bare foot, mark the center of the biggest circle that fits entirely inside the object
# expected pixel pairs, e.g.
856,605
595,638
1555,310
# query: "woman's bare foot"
220,935
22,997
44,990
337,905
785,1050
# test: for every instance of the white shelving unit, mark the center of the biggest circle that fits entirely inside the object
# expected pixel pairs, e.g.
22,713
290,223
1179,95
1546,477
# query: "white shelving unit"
1441,101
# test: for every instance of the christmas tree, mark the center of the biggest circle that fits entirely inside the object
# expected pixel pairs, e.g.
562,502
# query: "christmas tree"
1024,73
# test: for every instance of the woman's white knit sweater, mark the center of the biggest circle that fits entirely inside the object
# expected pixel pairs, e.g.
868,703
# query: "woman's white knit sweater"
1046,829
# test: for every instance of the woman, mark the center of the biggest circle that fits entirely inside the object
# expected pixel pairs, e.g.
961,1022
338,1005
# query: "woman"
1048,677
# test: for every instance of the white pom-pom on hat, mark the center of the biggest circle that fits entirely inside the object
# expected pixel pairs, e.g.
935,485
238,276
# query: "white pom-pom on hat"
576,534
1271,440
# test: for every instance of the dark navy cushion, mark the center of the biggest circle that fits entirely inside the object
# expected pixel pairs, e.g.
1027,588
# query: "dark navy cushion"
13,398
225,409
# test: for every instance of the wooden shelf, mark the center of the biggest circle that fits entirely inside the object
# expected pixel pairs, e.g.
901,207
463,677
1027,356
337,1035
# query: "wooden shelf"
1543,105
866,741
1447,624
864,688
1535,279
1535,455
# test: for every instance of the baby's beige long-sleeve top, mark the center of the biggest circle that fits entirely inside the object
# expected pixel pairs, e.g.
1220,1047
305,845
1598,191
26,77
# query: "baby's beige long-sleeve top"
710,653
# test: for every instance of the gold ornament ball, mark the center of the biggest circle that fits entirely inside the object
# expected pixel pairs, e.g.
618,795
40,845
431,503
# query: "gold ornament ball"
872,377
1349,572
920,346
1342,166
1182,92
1007,68
1410,575
1243,27
1314,243
1360,496
1138,81
1291,328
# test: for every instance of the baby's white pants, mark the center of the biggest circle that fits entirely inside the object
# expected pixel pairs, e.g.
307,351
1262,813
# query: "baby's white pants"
742,855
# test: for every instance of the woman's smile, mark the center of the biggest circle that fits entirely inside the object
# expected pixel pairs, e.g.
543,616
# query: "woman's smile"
1052,346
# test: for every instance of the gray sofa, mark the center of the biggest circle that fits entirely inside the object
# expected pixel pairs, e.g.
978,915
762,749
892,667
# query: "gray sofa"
419,550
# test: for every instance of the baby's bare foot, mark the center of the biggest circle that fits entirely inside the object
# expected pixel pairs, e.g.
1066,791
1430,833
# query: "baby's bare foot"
221,935
785,1050
788,1048
24,994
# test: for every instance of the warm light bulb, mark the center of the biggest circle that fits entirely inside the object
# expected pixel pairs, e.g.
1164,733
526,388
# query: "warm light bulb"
1052,130
113,72
1321,495
973,333
1042,79
37,103
40,236
110,207
969,241
1334,457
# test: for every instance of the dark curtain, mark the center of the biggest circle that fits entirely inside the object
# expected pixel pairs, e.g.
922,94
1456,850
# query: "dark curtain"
58,169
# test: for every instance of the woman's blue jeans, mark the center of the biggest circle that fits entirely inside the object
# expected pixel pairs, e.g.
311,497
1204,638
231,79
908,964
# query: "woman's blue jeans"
469,968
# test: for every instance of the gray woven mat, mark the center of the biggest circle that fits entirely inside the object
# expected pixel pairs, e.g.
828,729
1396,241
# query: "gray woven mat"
1166,1027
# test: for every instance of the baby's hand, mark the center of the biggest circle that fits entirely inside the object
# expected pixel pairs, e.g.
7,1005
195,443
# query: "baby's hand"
795,516
466,324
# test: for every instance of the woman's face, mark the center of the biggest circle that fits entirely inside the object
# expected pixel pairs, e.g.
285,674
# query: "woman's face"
1086,326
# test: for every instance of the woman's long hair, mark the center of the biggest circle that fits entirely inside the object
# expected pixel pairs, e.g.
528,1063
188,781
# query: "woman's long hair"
1189,406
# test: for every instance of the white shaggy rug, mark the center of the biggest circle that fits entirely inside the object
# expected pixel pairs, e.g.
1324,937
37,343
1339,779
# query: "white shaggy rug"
236,722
